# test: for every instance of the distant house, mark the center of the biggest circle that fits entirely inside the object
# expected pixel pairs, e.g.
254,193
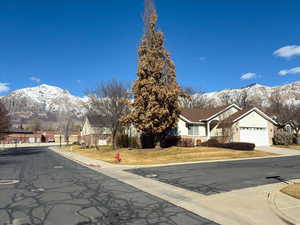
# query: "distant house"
94,132
227,123
23,136
74,137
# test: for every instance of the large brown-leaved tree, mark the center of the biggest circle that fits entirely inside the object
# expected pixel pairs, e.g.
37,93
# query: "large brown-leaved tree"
156,105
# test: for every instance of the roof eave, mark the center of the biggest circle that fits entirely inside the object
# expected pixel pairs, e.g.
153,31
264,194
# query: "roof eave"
218,113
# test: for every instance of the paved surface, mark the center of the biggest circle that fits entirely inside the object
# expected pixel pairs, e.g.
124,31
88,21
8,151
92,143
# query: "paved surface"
281,151
56,191
219,177
247,206
286,207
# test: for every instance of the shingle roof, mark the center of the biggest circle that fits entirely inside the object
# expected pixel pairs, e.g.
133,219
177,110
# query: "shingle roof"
17,131
196,115
94,120
229,120
97,121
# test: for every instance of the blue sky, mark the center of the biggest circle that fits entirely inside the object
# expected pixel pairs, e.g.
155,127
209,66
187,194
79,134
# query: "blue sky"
74,44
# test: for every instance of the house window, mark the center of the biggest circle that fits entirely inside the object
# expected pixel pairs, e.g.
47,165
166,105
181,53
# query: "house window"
193,130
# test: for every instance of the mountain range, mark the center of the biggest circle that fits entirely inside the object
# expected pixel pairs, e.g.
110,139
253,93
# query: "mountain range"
47,102
43,102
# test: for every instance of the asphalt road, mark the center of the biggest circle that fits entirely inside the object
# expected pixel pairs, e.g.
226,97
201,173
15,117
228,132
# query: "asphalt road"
53,190
218,177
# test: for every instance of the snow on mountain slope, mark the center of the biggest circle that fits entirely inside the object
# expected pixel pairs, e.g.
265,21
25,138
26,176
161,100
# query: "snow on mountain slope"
43,99
289,93
47,101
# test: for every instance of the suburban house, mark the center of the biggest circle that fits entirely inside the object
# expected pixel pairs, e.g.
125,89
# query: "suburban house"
227,123
94,133
73,137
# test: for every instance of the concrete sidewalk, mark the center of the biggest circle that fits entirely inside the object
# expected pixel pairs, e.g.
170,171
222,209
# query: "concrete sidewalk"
281,151
286,207
244,206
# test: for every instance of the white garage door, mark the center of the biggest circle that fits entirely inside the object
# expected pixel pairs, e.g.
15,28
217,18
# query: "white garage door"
256,135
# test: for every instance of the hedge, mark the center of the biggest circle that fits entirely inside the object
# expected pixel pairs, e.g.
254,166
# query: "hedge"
231,145
169,141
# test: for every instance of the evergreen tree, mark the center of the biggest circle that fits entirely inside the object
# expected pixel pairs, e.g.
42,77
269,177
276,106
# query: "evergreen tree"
156,105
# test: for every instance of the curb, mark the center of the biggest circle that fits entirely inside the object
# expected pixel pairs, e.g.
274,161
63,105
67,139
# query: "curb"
278,212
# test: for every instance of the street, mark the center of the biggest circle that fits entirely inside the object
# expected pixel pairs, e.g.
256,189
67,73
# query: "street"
218,177
53,190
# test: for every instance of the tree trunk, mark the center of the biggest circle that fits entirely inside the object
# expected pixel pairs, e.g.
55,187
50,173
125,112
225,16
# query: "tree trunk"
114,134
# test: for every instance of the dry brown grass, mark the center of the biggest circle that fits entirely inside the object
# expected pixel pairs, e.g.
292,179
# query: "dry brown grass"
292,190
169,155
295,147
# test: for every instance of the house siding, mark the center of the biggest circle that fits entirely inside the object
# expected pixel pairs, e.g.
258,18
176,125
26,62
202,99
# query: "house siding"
92,135
236,133
183,129
253,120
271,132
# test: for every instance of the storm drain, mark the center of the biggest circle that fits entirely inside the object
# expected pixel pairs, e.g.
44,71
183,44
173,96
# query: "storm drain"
8,181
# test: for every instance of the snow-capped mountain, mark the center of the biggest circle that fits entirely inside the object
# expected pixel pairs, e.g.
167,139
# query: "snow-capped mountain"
43,101
289,93
47,102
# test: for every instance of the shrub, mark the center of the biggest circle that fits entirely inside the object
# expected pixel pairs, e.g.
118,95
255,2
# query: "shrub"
133,142
214,143
186,142
169,141
232,145
241,146
283,138
147,141
124,141
199,142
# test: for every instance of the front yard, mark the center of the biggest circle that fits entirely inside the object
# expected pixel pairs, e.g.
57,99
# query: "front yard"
169,155
292,190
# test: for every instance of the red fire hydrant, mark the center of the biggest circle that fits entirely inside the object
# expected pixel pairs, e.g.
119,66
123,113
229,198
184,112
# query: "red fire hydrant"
118,157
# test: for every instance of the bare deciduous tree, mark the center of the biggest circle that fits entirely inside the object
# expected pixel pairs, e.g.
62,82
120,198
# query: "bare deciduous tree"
109,101
4,120
227,134
225,99
293,117
284,113
243,100
65,125
197,99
